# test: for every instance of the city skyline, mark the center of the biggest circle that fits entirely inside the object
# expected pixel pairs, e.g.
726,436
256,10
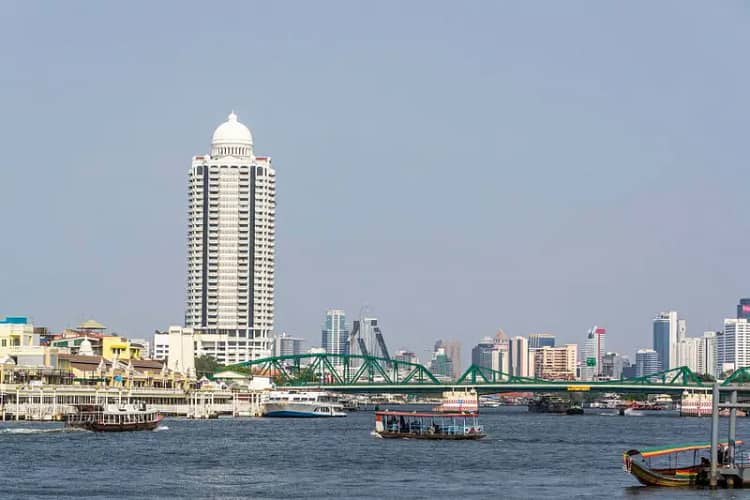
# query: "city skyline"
606,223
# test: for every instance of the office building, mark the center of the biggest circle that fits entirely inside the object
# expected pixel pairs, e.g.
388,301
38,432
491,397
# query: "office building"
518,354
556,363
161,345
665,328
646,362
537,340
440,364
707,354
613,366
734,345
743,309
593,351
231,246
285,345
335,334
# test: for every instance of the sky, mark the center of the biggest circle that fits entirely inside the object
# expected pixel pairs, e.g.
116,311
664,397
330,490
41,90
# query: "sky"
449,167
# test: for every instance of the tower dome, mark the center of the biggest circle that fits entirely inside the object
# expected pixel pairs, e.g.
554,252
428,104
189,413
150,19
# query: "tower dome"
232,138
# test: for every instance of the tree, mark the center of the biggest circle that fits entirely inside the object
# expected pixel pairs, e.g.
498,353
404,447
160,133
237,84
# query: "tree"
205,365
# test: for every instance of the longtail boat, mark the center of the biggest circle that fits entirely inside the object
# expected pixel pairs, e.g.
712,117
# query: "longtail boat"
685,464
428,425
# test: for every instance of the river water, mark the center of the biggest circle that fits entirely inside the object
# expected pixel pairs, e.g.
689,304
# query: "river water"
524,456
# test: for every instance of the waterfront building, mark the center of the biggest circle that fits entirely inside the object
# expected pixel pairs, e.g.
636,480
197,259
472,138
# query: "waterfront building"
665,328
284,345
743,309
19,344
537,340
646,362
518,354
185,345
145,347
161,345
707,354
335,334
231,247
733,345
556,363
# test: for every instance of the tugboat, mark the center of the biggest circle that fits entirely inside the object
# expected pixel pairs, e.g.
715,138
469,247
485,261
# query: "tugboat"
113,418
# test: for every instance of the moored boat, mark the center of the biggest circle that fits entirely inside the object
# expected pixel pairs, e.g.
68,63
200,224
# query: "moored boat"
554,404
458,401
113,418
302,404
683,465
428,425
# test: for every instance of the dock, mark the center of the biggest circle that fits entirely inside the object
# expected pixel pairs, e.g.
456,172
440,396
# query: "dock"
50,403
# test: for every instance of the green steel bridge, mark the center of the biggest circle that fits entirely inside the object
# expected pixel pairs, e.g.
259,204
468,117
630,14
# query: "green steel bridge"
351,373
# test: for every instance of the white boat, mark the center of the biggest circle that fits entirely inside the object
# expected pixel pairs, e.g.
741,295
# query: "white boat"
458,401
305,404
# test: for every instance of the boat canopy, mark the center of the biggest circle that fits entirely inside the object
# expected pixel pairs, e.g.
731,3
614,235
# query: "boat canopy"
677,448
426,414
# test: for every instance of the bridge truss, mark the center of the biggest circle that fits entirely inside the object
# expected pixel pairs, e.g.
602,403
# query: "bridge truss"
361,373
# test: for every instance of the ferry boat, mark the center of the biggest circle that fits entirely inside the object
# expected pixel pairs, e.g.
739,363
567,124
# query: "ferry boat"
458,401
113,418
428,425
309,404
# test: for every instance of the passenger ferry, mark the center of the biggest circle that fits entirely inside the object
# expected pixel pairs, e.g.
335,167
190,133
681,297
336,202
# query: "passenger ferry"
113,418
428,425
302,404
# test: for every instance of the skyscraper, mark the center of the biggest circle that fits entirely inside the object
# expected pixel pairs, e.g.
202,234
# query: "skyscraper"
519,357
743,309
593,353
537,340
335,335
665,327
734,344
707,354
231,246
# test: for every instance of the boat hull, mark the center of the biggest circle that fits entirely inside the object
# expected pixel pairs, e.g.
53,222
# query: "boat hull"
414,435
102,427
675,479
300,414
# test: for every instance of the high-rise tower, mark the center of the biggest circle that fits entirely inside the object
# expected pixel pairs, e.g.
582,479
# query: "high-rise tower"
231,244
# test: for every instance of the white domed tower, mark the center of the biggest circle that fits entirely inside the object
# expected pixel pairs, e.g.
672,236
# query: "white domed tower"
231,247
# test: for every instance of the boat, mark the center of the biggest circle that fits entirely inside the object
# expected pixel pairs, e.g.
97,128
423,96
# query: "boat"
458,401
428,425
113,418
554,404
648,409
302,404
684,465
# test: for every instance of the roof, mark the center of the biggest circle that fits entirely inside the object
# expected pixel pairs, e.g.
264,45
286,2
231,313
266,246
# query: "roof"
232,132
91,324
424,414
677,448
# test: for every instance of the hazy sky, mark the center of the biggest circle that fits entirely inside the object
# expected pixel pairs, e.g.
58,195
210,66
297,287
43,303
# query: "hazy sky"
455,167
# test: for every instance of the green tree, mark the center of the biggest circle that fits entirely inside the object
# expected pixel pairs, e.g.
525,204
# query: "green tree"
206,365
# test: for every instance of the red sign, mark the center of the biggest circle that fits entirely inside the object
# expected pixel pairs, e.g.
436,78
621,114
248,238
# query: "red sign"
600,331
745,307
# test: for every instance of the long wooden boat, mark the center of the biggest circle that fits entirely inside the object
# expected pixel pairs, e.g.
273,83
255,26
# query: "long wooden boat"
113,418
693,471
428,425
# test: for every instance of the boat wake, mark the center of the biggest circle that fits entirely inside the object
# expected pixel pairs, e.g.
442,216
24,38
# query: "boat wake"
373,433
161,428
23,430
